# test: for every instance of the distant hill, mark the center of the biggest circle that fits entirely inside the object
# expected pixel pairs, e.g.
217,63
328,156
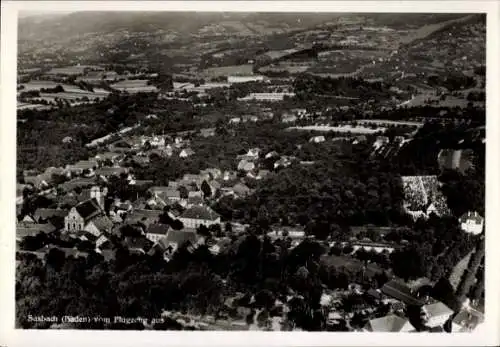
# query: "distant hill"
78,23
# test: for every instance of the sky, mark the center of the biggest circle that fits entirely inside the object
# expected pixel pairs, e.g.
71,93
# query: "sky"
31,13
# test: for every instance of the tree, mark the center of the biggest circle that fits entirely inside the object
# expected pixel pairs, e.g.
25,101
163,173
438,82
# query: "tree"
183,192
409,263
205,188
56,259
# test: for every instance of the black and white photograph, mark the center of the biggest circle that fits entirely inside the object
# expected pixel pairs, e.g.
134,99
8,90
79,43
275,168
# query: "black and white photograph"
255,170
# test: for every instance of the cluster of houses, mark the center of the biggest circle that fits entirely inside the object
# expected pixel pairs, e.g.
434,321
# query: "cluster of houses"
83,210
412,310
428,313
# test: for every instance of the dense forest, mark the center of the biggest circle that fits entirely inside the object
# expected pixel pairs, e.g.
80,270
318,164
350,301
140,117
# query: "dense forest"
307,86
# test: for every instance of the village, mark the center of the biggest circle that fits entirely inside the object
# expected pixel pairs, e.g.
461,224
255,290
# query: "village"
79,216
331,178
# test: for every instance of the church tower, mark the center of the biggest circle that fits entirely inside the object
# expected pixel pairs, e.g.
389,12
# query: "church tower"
96,193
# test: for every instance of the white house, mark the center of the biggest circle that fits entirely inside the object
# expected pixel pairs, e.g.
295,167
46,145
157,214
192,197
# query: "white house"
317,139
195,216
253,152
436,314
472,222
187,152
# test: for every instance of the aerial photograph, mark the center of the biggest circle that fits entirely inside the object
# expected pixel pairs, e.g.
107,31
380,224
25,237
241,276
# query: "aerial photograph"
251,171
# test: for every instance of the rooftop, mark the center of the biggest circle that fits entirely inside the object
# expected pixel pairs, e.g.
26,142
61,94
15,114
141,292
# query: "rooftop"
157,229
438,309
88,209
200,212
388,324
401,292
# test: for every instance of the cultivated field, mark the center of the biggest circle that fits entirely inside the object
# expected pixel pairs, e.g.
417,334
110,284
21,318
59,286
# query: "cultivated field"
246,69
134,86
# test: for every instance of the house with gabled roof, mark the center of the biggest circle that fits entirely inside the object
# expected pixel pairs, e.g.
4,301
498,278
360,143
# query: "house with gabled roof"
81,182
389,324
173,241
111,171
155,232
467,320
42,215
24,229
143,216
111,156
197,179
194,200
245,165
82,165
436,314
87,216
195,216
137,245
400,291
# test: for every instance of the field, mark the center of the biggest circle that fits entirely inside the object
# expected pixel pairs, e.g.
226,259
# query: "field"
38,85
72,70
246,69
134,86
432,99
290,67
388,122
341,129
26,106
